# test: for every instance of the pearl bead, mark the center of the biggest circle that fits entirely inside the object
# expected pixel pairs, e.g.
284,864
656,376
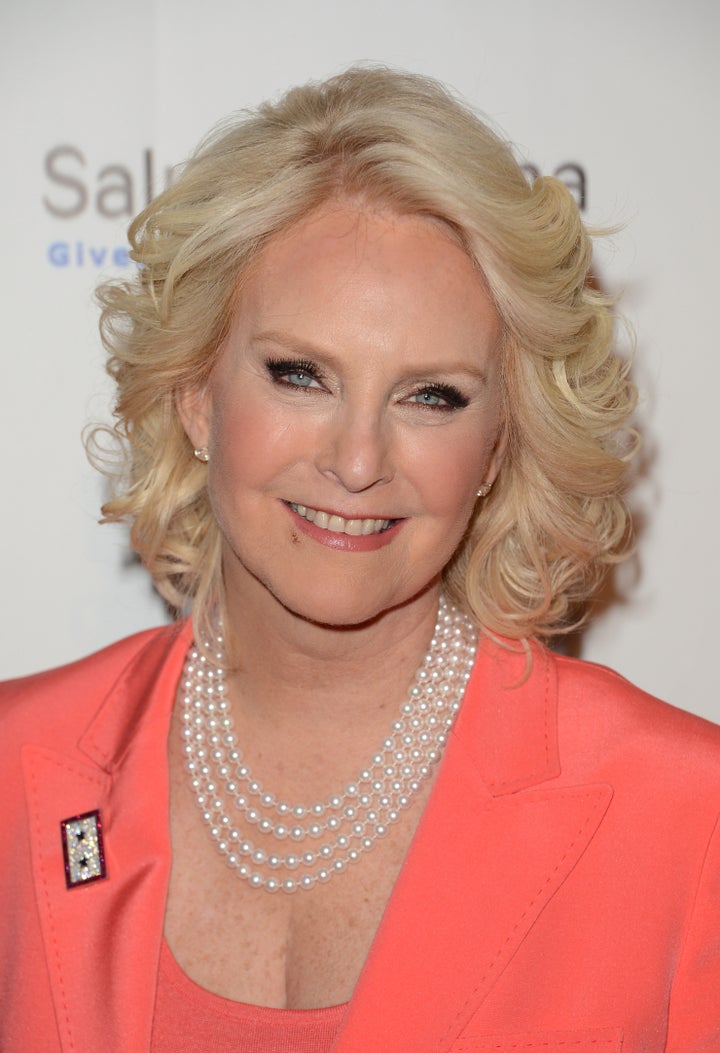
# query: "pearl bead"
365,808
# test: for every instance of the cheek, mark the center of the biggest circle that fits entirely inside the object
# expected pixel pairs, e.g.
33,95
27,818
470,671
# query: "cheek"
251,449
449,477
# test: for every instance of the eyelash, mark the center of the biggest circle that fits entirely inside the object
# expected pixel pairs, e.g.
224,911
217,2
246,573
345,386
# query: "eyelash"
280,368
451,396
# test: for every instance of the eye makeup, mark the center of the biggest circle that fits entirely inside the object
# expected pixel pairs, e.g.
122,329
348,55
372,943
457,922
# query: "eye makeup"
280,369
440,397
434,395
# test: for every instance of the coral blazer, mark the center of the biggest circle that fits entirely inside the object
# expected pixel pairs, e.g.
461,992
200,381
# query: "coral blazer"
561,895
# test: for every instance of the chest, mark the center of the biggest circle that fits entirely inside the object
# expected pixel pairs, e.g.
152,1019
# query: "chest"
302,950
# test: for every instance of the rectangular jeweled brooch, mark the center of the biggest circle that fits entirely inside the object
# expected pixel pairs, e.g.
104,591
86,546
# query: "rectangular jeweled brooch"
83,849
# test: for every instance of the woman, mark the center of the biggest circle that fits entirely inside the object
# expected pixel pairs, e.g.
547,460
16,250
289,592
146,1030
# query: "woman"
370,414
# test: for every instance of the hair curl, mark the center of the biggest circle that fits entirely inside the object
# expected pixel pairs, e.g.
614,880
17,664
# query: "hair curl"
538,545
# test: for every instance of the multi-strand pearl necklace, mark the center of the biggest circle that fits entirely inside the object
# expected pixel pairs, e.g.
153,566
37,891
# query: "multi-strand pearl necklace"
287,847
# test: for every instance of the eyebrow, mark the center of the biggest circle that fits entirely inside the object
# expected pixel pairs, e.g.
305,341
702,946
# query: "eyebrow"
301,348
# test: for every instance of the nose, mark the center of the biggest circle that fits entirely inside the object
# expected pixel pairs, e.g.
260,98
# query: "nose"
355,450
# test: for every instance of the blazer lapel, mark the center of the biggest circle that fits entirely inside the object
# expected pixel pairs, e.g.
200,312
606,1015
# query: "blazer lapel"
491,850
102,940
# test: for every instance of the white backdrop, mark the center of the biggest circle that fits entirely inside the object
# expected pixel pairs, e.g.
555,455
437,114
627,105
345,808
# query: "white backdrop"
99,99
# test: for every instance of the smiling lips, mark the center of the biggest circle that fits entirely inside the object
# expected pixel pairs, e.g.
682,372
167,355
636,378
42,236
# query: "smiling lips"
337,525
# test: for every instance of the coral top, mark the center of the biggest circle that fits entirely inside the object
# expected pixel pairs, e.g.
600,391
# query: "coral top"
562,891
189,1019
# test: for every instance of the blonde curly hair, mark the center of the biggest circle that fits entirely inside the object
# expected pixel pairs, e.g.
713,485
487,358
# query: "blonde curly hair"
537,547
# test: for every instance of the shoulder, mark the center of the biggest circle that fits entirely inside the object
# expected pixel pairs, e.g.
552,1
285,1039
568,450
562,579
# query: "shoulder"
70,694
603,716
608,698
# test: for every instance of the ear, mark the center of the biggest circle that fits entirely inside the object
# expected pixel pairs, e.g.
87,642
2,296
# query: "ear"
193,407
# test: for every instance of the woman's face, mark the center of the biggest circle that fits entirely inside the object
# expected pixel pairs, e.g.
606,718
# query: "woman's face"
352,414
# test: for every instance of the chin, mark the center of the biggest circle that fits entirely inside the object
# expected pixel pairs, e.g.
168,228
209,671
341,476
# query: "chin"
337,612
349,605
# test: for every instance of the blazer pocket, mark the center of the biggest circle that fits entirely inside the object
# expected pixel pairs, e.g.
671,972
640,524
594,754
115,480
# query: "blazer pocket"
594,1040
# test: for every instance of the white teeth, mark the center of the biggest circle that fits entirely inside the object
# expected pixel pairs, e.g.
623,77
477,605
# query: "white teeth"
338,525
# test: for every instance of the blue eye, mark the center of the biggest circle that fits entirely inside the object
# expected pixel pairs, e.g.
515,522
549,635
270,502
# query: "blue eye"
427,398
440,396
299,378
293,373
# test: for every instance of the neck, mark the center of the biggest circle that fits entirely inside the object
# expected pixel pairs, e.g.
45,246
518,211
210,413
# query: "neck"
285,664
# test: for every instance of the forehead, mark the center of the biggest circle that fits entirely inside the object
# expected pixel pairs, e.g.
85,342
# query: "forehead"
351,273
357,234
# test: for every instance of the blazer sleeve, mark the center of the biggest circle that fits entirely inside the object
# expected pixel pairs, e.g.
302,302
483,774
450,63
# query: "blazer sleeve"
694,1018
